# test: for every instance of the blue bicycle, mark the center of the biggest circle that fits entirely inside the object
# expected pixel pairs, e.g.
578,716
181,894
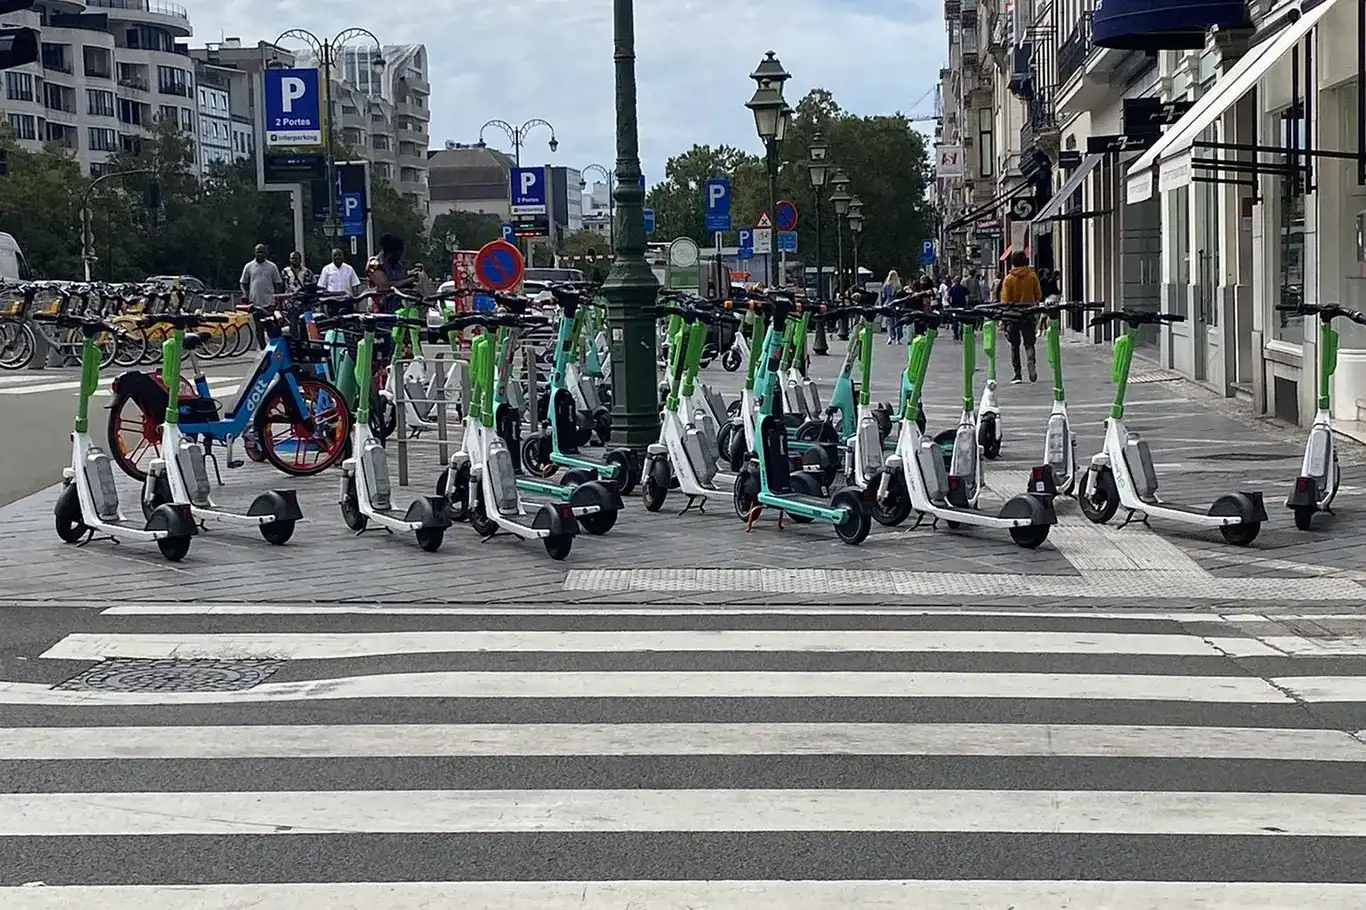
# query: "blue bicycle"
300,421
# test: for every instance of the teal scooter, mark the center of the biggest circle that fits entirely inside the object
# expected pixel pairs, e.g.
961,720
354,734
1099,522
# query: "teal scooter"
555,444
767,479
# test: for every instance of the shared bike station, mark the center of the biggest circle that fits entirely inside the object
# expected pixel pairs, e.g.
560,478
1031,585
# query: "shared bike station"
516,402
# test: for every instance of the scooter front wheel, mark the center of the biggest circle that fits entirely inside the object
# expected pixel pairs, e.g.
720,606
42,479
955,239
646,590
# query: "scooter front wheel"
350,508
730,361
1097,495
536,455
654,486
894,507
70,528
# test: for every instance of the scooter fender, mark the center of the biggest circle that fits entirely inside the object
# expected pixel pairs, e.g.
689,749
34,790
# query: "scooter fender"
175,519
596,493
1037,509
282,504
430,512
1303,494
1247,506
549,518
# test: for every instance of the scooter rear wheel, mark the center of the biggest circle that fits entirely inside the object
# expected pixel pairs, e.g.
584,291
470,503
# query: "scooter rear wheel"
174,548
429,539
599,523
1030,537
557,546
1304,517
857,522
277,532
1241,535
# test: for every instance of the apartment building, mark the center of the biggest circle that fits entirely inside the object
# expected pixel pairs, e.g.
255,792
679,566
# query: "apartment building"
225,126
107,71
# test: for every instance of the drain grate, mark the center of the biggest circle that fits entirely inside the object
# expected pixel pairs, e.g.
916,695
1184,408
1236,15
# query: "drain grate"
1143,377
132,674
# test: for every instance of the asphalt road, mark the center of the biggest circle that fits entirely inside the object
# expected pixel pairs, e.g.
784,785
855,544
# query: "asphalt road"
37,410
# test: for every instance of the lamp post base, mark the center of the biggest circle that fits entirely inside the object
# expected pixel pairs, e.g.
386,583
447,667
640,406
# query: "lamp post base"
822,344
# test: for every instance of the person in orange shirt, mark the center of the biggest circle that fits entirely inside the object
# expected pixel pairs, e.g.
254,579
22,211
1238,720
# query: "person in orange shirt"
1021,290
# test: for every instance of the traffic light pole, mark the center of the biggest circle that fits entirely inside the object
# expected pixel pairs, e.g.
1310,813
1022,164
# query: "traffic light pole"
630,289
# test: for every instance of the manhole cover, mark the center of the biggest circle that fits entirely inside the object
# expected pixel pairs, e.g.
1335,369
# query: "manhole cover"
130,674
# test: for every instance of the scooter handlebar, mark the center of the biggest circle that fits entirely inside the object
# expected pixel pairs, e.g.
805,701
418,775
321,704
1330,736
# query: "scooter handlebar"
1136,318
1325,311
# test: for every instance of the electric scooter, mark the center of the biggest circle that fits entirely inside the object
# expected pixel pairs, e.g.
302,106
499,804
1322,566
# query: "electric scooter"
767,479
988,411
89,500
914,477
180,474
966,458
555,445
1320,474
684,456
592,503
1059,442
1122,473
494,503
365,495
737,355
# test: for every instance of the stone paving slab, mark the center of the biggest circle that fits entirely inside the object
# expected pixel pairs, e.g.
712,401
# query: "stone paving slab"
1203,446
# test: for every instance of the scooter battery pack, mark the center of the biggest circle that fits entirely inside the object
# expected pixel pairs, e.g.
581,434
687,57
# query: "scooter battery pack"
869,445
1139,459
694,444
504,480
101,475
1320,440
190,459
1055,442
932,469
376,467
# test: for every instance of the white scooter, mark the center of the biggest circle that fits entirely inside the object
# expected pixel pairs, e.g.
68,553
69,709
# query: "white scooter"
914,477
491,496
1320,474
1122,474
180,474
1059,443
89,500
685,454
365,489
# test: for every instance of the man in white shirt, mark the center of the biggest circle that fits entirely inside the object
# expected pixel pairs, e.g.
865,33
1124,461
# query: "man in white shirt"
337,277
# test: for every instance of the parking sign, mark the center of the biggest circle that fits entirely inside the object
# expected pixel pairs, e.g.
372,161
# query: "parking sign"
293,108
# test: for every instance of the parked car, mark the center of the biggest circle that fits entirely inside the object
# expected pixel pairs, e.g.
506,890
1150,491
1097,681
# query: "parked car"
190,283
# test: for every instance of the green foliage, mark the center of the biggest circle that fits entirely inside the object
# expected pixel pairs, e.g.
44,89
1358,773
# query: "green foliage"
886,160
206,227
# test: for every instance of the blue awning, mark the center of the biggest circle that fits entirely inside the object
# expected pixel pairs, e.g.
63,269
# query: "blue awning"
1157,25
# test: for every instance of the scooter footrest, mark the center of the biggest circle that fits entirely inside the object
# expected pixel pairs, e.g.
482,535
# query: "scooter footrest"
805,500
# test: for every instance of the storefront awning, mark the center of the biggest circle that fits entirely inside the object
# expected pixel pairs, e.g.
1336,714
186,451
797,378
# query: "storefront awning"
1088,164
986,209
1169,164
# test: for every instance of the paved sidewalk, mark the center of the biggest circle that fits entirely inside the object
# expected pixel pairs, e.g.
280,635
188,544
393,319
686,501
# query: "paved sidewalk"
1203,445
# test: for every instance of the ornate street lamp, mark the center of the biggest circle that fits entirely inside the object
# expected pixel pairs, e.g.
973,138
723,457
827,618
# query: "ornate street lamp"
517,135
855,229
840,199
610,177
771,119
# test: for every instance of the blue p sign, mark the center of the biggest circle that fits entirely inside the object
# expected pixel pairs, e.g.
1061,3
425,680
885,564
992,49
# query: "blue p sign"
716,211
508,231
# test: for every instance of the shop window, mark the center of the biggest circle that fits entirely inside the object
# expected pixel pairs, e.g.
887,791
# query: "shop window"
1180,236
1290,231
986,143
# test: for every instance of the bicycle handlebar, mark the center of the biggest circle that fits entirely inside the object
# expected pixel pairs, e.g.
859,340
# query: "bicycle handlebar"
182,320
67,321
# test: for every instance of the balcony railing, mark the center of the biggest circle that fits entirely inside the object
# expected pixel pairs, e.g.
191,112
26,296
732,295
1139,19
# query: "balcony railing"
1041,117
1074,50
156,7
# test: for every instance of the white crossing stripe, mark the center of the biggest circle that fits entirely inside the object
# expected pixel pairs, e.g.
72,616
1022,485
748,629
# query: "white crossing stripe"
491,740
337,645
691,895
222,385
575,811
650,684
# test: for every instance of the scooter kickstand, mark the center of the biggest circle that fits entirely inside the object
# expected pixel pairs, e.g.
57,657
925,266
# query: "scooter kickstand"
754,513
218,475
693,500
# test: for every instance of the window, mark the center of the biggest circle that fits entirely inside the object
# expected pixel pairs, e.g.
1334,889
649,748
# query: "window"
172,81
384,169
380,141
131,75
168,113
1290,230
130,143
59,98
25,127
130,112
986,143
97,63
62,135
147,38
19,86
102,140
1180,235
55,57
187,120
99,102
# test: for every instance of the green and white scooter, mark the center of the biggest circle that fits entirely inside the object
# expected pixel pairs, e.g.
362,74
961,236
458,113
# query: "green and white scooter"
366,495
179,474
685,456
1122,474
767,479
88,503
914,477
484,462
1059,442
555,444
1320,474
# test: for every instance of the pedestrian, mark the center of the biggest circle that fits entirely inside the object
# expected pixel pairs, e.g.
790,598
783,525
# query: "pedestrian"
974,288
958,300
260,282
386,271
1019,290
295,276
1052,288
337,277
891,288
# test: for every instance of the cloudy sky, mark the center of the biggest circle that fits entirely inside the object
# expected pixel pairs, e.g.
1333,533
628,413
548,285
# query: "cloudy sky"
552,59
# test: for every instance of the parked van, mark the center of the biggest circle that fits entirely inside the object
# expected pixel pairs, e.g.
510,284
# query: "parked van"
11,258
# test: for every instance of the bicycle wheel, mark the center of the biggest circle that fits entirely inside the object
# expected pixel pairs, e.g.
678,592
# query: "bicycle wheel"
151,351
17,345
216,343
134,436
310,446
132,347
108,344
245,338
232,345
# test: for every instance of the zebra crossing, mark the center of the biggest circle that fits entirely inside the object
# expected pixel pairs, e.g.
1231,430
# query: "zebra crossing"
326,756
224,381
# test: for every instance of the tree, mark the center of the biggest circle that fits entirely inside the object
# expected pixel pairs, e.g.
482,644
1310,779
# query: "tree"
40,206
678,201
585,243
